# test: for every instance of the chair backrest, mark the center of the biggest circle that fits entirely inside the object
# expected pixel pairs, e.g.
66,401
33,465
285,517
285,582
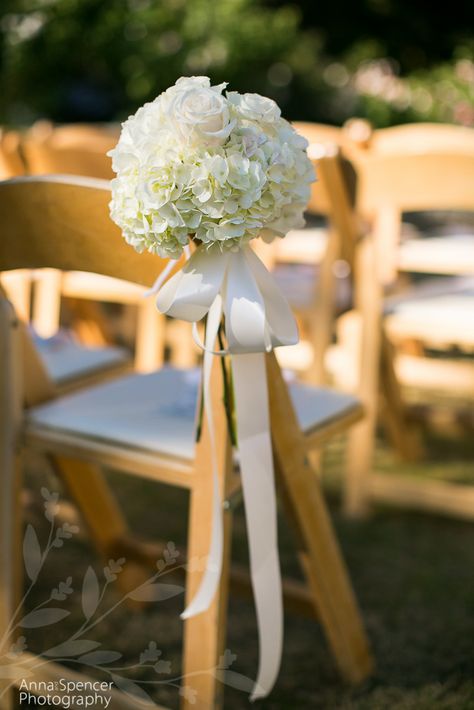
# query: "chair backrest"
390,184
333,196
318,132
434,180
324,142
63,222
74,150
421,138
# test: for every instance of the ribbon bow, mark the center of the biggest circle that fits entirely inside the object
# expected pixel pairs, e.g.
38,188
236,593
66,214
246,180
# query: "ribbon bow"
257,319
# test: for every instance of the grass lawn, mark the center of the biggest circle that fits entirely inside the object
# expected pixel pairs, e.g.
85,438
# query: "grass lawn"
413,575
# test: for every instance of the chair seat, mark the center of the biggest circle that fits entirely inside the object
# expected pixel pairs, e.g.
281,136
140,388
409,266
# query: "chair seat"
451,254
156,412
441,313
66,361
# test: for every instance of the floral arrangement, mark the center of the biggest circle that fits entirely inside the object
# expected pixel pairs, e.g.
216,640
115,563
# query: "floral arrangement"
217,168
222,170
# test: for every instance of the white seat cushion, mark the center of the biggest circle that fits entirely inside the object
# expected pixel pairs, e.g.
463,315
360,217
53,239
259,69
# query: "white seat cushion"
452,254
156,412
66,360
440,311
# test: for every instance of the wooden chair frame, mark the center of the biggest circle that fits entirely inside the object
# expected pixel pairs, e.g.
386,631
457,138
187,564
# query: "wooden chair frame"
388,184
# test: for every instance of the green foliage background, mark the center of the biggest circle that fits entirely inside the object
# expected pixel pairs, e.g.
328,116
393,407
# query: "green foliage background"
388,60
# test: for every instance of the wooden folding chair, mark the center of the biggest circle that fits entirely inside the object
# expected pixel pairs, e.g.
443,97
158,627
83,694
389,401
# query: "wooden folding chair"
84,431
314,295
333,196
390,184
81,149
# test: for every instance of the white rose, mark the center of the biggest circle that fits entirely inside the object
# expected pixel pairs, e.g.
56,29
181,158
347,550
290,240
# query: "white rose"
193,162
198,111
255,107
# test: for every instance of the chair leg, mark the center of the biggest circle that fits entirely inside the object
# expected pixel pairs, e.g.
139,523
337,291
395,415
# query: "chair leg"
361,440
150,337
321,557
322,320
104,519
204,635
183,348
47,302
405,439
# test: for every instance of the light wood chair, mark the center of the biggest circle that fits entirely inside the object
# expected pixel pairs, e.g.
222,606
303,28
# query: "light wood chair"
84,431
67,362
333,196
81,149
307,261
390,184
330,247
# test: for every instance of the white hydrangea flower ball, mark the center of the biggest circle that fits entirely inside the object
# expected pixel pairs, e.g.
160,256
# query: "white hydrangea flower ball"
218,168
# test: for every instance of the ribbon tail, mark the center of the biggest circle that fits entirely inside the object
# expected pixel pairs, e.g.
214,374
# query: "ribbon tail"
256,466
211,577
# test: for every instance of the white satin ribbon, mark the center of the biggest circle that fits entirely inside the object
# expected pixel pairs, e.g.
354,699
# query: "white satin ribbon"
257,319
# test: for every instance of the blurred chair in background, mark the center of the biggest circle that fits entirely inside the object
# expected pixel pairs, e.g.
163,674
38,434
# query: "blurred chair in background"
76,149
312,281
81,149
145,425
436,315
319,299
313,264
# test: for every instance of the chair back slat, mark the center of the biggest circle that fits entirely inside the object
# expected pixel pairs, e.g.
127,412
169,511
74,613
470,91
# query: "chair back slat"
63,222
438,180
75,149
43,159
422,138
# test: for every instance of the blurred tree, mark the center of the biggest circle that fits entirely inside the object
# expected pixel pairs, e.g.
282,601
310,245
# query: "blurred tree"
94,60
414,33
97,60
